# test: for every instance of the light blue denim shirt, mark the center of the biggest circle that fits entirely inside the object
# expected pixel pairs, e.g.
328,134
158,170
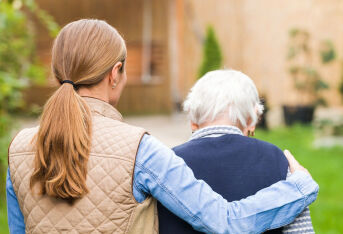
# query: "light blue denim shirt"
165,176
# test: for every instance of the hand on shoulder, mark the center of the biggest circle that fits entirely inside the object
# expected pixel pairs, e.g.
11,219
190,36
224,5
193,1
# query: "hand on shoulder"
294,165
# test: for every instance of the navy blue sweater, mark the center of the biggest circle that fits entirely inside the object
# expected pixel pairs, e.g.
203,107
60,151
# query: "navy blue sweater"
234,166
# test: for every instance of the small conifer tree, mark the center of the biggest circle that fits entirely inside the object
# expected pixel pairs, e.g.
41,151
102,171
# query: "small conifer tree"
212,56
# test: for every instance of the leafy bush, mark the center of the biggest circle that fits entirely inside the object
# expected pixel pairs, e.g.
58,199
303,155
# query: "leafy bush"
212,55
329,127
19,65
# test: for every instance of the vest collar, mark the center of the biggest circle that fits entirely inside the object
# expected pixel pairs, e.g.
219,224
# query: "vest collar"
103,108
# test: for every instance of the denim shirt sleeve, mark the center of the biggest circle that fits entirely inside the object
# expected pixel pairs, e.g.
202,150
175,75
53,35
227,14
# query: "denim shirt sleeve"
165,176
16,222
302,223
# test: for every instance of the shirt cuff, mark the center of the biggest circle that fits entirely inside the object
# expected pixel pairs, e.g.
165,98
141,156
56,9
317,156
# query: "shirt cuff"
306,185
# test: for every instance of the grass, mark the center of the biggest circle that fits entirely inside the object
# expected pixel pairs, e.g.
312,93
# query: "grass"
3,215
4,141
325,166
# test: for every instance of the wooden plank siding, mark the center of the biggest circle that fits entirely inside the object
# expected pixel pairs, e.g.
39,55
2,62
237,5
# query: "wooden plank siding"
126,17
254,38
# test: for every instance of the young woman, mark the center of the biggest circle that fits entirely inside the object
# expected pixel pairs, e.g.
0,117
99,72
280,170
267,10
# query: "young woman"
83,170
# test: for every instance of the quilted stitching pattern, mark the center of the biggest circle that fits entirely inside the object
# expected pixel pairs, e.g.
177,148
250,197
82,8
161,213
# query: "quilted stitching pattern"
109,205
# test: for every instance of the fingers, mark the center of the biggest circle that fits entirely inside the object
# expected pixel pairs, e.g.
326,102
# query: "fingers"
289,156
293,163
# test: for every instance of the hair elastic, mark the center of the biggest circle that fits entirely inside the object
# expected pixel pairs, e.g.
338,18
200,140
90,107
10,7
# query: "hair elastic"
69,82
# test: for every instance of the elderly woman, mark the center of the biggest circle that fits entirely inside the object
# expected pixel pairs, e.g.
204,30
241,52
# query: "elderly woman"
224,107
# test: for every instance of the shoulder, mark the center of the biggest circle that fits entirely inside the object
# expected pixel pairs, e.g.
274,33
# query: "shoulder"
152,152
267,152
182,146
245,145
266,146
255,144
272,153
106,129
190,146
111,136
151,144
22,142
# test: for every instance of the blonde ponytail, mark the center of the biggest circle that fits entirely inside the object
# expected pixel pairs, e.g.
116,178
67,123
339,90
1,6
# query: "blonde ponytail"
63,145
82,53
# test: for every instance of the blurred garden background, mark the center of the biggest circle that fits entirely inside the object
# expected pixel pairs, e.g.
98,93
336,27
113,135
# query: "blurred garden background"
293,50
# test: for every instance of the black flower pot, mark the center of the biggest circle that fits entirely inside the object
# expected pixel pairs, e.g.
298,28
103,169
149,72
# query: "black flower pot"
298,114
262,123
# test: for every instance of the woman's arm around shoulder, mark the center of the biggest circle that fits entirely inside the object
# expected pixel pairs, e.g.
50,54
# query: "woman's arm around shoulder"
165,176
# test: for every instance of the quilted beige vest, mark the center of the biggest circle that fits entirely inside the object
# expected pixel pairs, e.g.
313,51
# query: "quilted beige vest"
110,206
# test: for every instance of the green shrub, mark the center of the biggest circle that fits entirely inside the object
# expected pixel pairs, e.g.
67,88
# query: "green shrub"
19,65
17,58
212,55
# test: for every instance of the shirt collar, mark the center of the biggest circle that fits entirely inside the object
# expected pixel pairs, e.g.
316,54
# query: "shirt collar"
216,131
103,108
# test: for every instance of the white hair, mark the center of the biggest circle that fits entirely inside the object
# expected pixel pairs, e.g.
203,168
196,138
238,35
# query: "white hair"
224,93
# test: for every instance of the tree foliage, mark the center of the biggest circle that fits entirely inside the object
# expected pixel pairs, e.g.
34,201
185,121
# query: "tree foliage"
212,55
19,64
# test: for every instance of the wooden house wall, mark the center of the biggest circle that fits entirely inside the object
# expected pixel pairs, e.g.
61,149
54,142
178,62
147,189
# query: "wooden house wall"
127,18
254,37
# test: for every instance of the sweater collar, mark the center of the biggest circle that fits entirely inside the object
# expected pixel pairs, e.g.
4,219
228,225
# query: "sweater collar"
103,108
216,131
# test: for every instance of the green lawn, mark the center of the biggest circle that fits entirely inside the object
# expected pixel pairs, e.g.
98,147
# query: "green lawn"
325,166
3,217
4,141
3,211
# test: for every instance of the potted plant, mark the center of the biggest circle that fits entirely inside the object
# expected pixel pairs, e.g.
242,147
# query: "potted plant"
306,78
262,123
340,88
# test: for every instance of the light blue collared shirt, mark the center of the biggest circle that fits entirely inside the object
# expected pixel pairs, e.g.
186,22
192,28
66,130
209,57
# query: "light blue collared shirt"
166,177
